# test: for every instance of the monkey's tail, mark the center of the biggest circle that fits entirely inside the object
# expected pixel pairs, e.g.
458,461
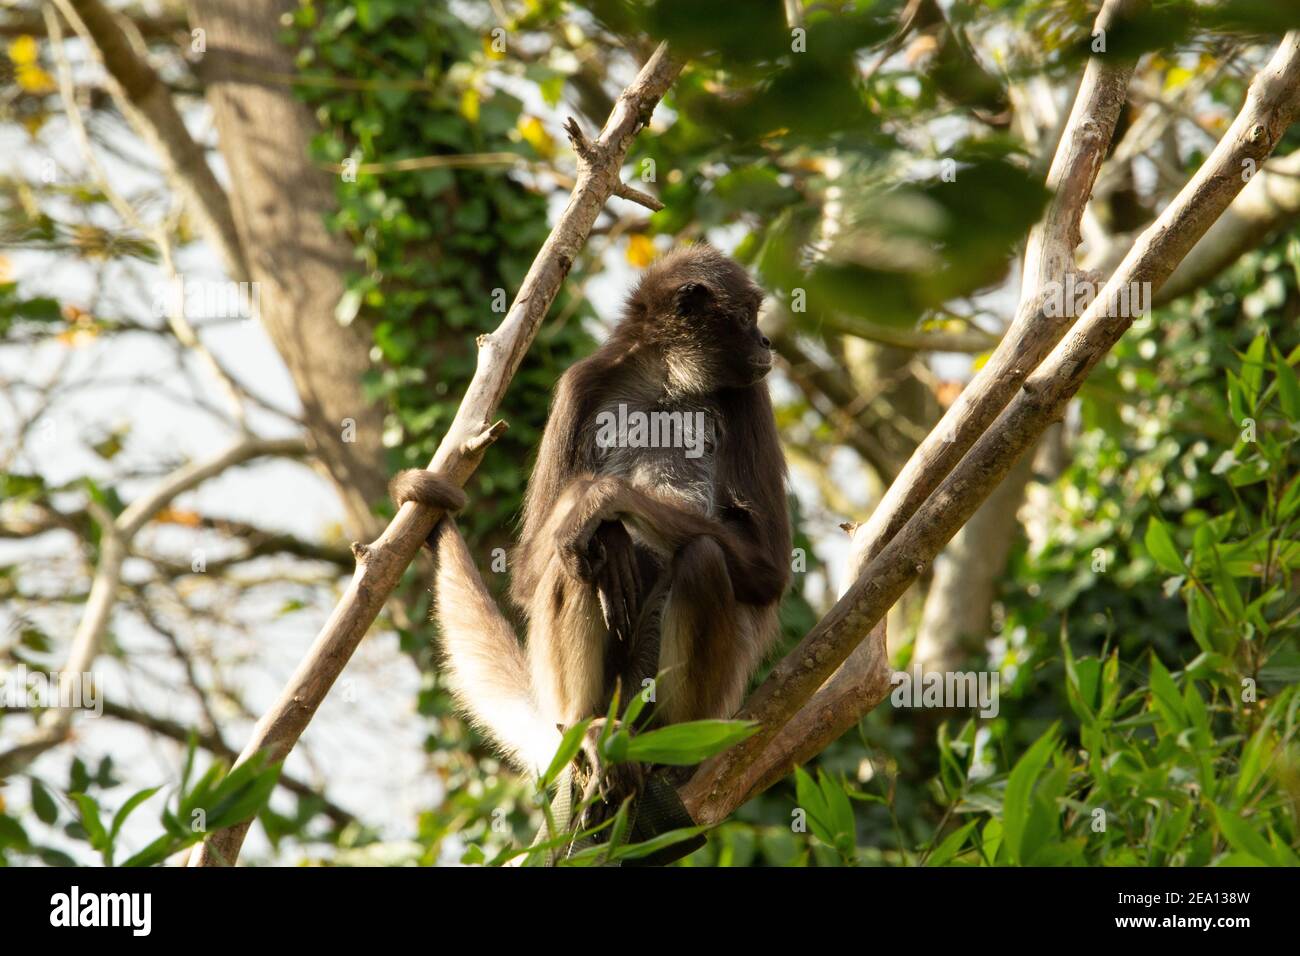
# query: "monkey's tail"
485,664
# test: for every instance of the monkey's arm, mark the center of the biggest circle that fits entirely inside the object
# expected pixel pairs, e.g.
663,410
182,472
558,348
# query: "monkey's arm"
560,457
756,578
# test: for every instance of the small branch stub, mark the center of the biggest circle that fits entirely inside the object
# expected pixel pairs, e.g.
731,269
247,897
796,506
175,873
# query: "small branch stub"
475,446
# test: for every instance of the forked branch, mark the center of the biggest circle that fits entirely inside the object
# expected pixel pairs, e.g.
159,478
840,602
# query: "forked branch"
1271,106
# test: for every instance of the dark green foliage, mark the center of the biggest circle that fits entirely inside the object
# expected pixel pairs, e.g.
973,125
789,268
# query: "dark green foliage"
432,246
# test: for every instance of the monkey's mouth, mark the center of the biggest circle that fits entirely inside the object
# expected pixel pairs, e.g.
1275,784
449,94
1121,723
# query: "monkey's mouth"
758,368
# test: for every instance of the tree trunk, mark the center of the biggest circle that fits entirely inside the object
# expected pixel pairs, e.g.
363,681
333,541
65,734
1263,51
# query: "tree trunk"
279,199
958,608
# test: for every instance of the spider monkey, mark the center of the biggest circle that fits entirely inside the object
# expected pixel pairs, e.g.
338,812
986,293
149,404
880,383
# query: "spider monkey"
634,558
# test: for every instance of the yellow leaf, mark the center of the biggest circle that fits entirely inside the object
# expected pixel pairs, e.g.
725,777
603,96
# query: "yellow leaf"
640,251
75,338
23,50
490,44
469,104
535,135
33,79
1177,78
189,519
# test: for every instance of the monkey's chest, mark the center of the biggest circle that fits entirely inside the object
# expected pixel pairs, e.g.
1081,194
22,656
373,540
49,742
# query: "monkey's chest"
668,449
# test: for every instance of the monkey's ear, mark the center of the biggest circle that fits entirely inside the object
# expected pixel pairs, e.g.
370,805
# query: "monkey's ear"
693,298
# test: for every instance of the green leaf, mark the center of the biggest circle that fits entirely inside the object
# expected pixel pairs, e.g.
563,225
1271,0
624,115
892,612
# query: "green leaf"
1016,806
840,814
951,845
570,744
119,818
1244,838
47,811
1226,590
636,703
634,851
1252,759
1165,699
1252,369
1288,387
684,744
95,831
160,849
1160,545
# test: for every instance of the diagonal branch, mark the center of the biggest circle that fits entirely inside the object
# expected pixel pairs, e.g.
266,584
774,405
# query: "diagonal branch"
1048,256
381,563
862,681
114,545
1271,106
147,104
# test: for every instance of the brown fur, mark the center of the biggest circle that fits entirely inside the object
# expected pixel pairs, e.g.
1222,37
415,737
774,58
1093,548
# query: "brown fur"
634,562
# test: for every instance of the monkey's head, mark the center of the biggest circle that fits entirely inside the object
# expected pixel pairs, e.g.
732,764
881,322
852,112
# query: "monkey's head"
699,309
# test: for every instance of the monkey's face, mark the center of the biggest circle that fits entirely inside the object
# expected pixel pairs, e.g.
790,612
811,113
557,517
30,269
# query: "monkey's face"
700,308
715,326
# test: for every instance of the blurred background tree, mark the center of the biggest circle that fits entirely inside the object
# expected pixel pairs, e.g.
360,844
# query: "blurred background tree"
386,172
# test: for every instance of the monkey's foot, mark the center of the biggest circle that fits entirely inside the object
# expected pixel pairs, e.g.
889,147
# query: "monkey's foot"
608,785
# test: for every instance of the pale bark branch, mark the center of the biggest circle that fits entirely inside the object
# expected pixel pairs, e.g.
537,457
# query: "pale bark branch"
1269,203
475,160
116,535
863,679
147,104
381,563
1271,105
1048,256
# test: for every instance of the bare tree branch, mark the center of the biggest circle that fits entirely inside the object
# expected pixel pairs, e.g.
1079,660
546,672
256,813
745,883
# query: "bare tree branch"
162,26
381,563
1269,203
1271,106
114,545
147,104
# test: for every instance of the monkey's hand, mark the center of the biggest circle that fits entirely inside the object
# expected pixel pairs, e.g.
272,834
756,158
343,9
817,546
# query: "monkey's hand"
582,548
618,579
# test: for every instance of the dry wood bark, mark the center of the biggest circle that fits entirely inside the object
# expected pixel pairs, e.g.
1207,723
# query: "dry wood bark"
148,105
279,207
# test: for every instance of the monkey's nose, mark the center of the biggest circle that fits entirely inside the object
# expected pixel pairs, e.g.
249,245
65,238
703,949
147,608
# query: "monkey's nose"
767,343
